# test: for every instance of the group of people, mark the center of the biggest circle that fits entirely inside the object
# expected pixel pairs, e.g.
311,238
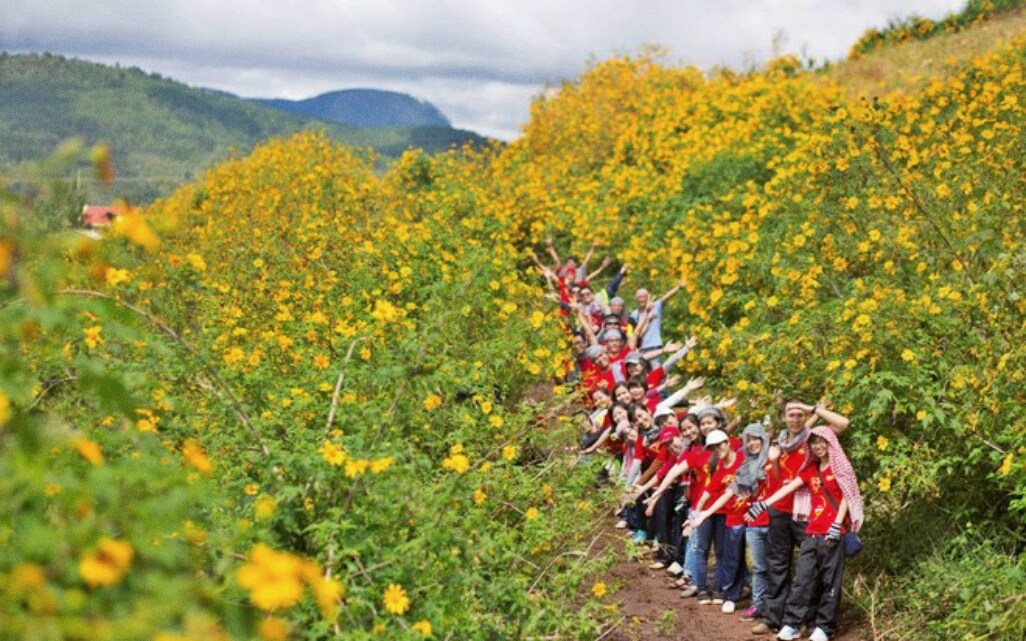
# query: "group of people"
692,485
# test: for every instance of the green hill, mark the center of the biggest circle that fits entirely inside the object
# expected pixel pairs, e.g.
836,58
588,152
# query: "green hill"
160,131
364,108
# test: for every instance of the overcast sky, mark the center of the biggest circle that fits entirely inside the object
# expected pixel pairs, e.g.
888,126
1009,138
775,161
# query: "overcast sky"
479,62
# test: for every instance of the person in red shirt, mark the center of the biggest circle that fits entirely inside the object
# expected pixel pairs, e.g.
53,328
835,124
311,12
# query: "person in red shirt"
835,507
616,345
788,517
750,482
622,393
722,465
597,372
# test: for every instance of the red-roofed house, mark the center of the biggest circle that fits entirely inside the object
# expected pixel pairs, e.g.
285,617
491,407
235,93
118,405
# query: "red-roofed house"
94,216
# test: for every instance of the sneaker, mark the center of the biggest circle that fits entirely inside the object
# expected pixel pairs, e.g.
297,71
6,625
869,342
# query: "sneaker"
750,614
717,598
704,598
761,628
621,524
818,635
689,592
675,569
682,582
656,565
640,536
728,607
787,633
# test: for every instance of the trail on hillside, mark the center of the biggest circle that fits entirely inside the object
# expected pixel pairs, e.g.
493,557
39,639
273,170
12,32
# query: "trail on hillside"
651,610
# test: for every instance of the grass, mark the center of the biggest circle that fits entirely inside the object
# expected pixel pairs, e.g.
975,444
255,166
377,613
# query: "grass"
908,66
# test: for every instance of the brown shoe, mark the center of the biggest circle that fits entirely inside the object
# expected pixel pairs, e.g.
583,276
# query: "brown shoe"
761,628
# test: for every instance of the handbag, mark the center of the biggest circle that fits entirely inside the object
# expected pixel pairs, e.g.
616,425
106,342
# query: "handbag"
852,544
851,541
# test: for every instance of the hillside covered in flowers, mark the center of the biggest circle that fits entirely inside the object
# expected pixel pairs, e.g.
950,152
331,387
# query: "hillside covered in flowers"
299,400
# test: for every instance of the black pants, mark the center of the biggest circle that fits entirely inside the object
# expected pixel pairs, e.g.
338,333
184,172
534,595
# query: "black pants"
816,591
783,536
662,524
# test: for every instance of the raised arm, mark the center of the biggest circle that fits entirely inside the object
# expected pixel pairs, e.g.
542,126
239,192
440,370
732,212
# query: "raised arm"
679,395
589,331
587,257
592,276
837,422
640,328
673,290
552,251
534,259
680,353
613,286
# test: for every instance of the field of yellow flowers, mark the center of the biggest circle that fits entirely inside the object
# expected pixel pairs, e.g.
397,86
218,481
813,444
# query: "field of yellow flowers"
299,400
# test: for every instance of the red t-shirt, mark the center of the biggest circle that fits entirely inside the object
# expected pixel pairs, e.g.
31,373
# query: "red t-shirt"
738,506
667,465
655,377
698,461
639,448
822,514
593,378
652,402
789,464
720,480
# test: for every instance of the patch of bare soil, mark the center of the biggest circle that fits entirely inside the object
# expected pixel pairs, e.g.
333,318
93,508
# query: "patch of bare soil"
652,610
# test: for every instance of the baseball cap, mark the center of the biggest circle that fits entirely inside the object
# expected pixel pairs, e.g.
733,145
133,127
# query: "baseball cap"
716,437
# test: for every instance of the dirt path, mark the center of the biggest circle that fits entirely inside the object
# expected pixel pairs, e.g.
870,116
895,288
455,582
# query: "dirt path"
653,611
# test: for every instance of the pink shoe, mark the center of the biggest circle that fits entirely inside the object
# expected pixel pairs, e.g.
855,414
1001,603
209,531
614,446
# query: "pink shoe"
750,613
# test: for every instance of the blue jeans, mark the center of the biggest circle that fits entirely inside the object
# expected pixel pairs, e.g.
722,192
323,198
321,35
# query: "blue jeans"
711,532
698,554
730,564
755,537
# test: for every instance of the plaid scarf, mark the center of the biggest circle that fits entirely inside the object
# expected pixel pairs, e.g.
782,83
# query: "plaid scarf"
845,475
802,500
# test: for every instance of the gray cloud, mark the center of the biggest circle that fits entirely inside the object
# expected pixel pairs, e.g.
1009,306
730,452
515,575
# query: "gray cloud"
480,62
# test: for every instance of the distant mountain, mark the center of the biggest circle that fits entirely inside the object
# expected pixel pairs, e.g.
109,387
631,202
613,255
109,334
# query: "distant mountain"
364,108
161,131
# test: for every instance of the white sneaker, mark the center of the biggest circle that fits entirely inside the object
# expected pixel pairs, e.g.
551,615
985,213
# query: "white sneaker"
675,568
787,633
621,524
818,635
728,608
